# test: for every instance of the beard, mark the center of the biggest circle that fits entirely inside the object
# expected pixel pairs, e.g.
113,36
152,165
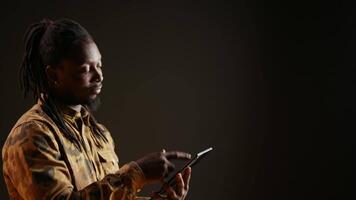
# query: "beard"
93,104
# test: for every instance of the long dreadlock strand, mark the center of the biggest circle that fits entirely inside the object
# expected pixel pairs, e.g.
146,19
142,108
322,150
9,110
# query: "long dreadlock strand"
31,74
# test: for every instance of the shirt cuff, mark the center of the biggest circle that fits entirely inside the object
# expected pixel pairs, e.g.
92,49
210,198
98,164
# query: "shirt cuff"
136,175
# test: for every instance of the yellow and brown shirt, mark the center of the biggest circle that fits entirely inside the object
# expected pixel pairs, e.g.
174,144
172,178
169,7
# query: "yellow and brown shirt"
39,162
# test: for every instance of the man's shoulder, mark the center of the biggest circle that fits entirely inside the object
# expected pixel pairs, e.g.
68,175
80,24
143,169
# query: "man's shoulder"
31,134
34,114
32,123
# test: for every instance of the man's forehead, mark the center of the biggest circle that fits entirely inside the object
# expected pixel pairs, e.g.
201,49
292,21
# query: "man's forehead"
86,52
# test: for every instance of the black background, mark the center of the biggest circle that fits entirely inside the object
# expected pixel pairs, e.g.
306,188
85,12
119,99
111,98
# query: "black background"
268,84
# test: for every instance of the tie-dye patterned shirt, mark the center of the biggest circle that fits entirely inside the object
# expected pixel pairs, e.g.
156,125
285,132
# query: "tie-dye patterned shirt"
39,162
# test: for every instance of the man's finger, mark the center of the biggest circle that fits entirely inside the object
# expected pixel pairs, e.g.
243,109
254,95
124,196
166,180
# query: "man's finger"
171,193
180,184
186,177
177,155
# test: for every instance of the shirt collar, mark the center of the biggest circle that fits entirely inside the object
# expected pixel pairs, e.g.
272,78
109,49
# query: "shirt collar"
71,114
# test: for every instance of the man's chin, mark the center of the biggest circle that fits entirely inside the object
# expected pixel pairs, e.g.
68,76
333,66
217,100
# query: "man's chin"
93,103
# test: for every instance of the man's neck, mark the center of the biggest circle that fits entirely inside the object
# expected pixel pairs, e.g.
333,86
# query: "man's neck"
62,101
76,107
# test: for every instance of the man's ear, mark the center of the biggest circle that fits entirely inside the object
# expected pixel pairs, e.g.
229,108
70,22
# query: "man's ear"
51,74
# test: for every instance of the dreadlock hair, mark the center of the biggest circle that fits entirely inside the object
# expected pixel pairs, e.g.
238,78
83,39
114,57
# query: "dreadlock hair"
47,43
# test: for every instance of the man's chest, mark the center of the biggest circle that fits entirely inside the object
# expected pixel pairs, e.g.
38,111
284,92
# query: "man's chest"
90,163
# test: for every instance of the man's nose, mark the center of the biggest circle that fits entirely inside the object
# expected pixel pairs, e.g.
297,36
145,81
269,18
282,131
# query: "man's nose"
98,74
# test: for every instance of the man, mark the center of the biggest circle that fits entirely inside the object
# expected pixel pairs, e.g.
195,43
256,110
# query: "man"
57,150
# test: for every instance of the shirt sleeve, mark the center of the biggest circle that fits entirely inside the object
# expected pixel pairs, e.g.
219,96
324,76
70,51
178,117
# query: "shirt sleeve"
36,169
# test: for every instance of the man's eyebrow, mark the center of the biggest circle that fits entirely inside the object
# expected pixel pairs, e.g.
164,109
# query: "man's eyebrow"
91,61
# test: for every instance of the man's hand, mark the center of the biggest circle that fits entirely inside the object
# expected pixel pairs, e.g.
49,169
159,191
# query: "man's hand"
157,166
181,189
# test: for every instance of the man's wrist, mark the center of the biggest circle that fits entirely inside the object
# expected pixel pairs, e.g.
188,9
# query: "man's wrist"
137,175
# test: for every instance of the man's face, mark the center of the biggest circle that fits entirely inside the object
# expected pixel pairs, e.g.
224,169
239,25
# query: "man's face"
79,78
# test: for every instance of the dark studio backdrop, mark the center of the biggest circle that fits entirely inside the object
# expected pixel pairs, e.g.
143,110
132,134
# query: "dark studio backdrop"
268,84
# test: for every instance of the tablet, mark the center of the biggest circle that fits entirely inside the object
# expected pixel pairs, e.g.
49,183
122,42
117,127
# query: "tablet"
199,156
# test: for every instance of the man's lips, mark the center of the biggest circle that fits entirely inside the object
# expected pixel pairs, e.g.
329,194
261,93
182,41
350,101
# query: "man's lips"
96,89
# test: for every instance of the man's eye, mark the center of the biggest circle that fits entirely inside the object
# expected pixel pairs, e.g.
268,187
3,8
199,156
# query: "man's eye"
84,71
